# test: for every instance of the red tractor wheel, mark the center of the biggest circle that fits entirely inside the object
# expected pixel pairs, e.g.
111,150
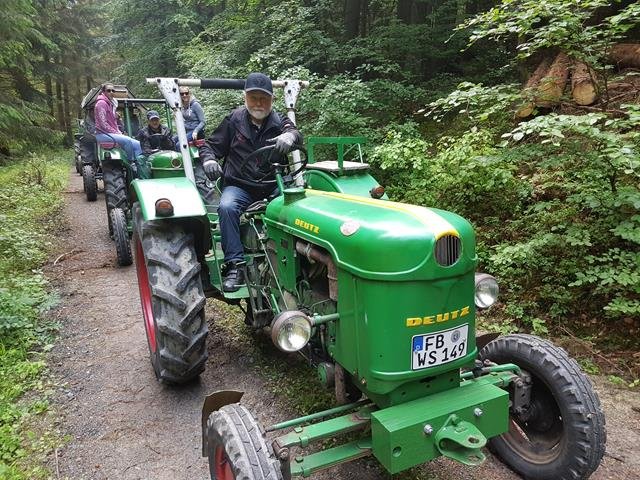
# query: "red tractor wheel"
237,448
172,299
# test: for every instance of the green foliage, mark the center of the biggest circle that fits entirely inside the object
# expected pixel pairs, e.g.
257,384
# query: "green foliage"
556,207
544,24
475,102
30,192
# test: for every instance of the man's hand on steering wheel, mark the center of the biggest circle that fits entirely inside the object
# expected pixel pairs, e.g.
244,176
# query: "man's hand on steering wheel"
284,142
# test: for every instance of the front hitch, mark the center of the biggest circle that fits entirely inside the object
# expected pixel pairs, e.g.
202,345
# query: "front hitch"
461,440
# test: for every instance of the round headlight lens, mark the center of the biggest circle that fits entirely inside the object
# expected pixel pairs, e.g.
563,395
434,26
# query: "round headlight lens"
291,331
486,290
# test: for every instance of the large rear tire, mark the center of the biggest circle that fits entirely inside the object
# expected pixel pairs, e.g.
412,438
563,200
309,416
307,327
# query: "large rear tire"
561,435
236,447
118,221
172,299
90,183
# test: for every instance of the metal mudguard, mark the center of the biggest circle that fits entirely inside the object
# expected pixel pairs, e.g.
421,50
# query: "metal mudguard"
213,402
182,193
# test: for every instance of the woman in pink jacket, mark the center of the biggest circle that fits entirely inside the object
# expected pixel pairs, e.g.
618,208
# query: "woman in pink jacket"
107,129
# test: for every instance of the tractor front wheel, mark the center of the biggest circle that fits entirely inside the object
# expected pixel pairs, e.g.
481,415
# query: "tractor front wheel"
560,434
118,221
236,447
115,189
172,299
90,183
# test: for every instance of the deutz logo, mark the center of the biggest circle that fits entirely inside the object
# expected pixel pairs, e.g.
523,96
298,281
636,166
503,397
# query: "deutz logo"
306,225
439,318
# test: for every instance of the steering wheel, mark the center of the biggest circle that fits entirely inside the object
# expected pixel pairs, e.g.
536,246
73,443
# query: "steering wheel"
275,167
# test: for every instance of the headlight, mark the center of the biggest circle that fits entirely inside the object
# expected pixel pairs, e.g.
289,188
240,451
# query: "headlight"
291,330
486,290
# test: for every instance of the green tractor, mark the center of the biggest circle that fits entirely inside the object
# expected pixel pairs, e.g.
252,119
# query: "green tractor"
108,162
382,298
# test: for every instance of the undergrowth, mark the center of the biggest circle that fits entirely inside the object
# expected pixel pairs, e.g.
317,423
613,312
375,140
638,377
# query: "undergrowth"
30,194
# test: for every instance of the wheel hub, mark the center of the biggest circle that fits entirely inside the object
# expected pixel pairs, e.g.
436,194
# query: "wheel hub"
222,467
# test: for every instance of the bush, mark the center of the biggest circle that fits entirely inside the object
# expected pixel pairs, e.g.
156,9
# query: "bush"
556,206
30,192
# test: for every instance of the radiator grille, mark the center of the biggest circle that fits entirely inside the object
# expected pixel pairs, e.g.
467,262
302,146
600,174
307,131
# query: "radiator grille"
448,250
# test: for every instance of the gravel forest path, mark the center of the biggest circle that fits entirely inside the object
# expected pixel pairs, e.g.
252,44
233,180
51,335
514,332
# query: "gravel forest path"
123,425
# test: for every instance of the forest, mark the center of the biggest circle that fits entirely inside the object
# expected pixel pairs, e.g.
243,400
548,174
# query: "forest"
468,106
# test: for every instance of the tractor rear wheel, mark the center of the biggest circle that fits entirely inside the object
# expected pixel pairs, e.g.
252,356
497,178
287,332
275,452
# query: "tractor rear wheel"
236,447
118,221
561,434
90,183
172,299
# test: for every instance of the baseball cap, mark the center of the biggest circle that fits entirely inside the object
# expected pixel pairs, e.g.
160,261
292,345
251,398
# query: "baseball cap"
258,81
152,114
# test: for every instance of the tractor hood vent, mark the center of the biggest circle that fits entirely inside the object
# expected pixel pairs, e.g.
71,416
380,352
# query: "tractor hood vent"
447,250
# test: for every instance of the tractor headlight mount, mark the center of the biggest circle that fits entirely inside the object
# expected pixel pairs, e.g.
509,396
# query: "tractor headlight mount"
291,330
486,291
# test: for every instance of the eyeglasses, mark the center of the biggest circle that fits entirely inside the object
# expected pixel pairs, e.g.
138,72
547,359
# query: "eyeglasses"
184,94
111,90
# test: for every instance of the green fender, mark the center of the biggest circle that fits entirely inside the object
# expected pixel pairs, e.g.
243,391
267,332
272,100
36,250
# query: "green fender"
182,193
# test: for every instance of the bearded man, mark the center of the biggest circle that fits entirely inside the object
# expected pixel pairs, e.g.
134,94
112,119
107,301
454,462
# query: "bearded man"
241,133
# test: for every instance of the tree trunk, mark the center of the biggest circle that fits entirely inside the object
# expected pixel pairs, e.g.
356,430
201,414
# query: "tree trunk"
352,18
364,18
461,11
583,89
67,111
78,97
552,85
403,11
625,55
48,86
530,87
59,99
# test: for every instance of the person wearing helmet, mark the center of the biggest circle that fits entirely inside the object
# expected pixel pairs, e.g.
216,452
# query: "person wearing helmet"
241,133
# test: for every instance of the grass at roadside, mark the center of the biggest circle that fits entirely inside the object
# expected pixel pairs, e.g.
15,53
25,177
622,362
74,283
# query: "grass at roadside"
31,197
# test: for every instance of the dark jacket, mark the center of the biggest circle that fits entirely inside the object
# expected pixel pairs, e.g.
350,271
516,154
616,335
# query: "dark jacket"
155,139
237,137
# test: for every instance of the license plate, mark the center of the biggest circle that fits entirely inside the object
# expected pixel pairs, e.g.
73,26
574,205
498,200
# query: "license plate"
438,348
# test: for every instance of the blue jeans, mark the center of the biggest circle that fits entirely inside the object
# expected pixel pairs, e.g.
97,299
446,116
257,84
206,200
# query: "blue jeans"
233,202
130,145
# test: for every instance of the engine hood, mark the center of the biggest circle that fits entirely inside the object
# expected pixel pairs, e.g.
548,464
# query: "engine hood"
374,238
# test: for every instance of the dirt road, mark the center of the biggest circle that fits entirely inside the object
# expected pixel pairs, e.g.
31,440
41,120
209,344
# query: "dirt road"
123,425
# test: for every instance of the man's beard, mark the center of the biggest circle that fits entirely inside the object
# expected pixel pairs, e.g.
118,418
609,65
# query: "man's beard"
257,113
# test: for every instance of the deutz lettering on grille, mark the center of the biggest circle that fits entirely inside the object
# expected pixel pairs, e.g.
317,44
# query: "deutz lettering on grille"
437,318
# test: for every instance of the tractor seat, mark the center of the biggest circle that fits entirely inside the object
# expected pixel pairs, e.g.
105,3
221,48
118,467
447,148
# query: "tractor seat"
108,145
331,166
